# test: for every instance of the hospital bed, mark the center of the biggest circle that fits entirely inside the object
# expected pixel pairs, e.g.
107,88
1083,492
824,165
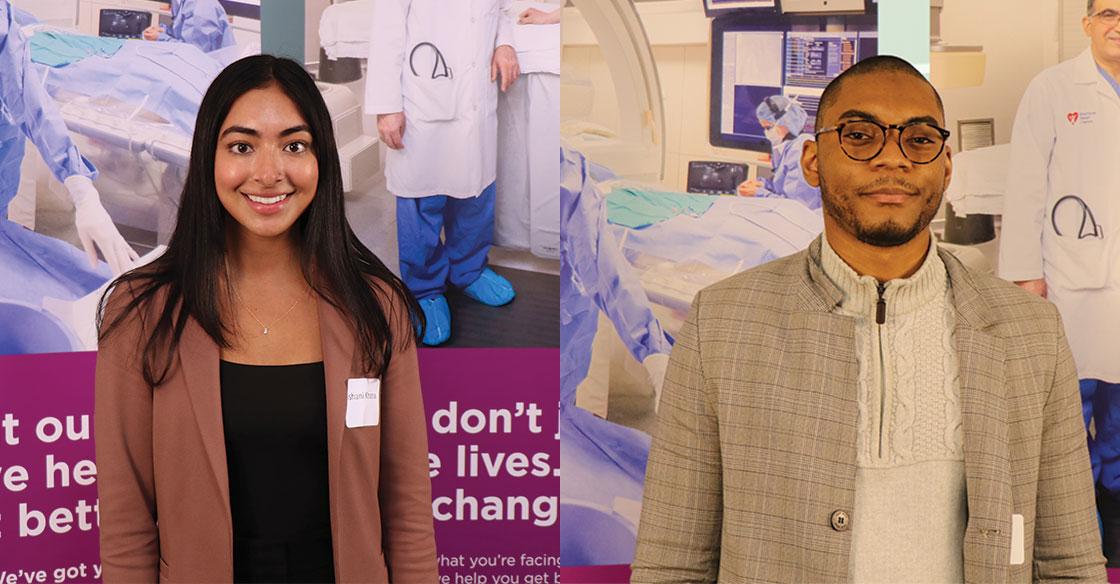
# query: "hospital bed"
679,256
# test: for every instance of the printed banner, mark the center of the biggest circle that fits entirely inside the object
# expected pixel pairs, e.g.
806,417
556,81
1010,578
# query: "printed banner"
494,455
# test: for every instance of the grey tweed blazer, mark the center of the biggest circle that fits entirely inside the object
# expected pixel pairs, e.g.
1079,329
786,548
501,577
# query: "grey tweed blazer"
755,446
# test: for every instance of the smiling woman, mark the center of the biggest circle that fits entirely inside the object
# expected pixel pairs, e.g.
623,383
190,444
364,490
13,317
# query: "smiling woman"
241,377
264,169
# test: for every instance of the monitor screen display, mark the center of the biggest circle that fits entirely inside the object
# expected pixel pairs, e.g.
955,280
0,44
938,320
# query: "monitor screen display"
123,24
754,59
815,58
715,178
752,71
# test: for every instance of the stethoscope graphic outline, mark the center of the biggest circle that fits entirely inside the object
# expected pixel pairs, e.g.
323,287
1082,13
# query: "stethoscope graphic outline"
439,61
1086,217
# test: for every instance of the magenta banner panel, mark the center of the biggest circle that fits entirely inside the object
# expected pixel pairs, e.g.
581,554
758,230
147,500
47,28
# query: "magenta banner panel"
494,456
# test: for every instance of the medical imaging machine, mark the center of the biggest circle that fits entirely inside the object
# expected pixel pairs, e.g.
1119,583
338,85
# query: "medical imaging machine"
637,148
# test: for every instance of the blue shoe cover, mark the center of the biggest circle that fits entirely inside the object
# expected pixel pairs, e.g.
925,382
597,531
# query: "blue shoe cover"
490,289
438,317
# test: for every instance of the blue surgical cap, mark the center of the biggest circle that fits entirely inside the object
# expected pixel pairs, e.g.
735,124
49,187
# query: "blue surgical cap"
783,111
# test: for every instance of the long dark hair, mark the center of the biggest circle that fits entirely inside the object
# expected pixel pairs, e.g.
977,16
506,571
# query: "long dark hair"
336,263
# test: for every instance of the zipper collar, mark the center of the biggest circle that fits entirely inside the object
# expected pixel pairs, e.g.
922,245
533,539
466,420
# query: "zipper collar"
867,296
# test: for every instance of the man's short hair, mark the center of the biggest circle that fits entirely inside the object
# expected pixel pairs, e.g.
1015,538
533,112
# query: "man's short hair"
1089,10
877,64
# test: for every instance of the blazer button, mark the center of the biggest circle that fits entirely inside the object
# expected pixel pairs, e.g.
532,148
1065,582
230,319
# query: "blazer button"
840,520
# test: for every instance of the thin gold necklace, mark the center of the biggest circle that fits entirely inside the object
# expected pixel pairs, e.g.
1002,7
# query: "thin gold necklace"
264,327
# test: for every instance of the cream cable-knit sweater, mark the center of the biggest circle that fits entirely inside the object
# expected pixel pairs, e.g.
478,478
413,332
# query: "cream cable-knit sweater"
910,507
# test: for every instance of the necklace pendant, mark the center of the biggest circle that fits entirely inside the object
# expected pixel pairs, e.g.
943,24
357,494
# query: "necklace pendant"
266,330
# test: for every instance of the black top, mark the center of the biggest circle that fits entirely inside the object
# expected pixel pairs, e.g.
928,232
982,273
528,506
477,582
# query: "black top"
275,420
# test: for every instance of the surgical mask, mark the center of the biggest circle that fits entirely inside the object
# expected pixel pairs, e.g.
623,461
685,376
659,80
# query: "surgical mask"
772,135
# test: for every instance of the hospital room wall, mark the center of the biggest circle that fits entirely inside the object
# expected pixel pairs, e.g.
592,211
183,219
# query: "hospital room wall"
59,12
313,13
1017,45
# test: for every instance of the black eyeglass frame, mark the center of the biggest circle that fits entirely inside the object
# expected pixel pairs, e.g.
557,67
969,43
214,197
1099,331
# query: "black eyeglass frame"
1110,17
886,133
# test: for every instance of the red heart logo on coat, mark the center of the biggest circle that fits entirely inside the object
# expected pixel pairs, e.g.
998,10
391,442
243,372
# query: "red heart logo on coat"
1072,117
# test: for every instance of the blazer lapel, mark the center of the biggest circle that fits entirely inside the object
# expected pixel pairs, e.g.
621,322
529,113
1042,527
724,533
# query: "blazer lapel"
338,349
198,357
985,429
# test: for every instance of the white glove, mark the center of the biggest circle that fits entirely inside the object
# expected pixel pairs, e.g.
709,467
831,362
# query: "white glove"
95,227
655,365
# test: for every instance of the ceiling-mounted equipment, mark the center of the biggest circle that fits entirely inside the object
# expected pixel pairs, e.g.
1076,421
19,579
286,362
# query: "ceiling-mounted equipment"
638,150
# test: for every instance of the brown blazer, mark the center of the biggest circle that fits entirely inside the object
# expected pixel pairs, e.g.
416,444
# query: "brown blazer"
755,446
162,481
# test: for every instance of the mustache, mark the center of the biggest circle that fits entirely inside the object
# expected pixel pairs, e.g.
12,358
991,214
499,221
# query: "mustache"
893,184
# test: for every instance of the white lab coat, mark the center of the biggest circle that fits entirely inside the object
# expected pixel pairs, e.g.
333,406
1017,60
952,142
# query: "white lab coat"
1065,143
450,135
527,206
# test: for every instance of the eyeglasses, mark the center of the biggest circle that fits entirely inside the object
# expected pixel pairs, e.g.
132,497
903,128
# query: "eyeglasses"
1108,16
920,142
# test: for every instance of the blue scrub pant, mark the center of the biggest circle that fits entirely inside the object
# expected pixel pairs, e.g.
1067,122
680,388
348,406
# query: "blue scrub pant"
1097,398
428,264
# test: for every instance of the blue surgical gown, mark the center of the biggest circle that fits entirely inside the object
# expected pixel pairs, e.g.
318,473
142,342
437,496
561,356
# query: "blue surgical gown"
788,180
34,265
595,276
602,461
202,23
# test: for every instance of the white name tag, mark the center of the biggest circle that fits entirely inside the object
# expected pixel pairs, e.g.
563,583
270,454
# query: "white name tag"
1017,540
363,402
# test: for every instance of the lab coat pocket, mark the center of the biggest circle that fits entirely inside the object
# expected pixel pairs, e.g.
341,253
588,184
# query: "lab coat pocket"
429,86
1075,263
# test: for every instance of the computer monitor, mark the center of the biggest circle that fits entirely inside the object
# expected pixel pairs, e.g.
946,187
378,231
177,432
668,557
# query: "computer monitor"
123,24
757,57
712,177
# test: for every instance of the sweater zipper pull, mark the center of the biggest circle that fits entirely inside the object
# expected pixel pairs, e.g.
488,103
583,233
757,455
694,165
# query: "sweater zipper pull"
881,304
